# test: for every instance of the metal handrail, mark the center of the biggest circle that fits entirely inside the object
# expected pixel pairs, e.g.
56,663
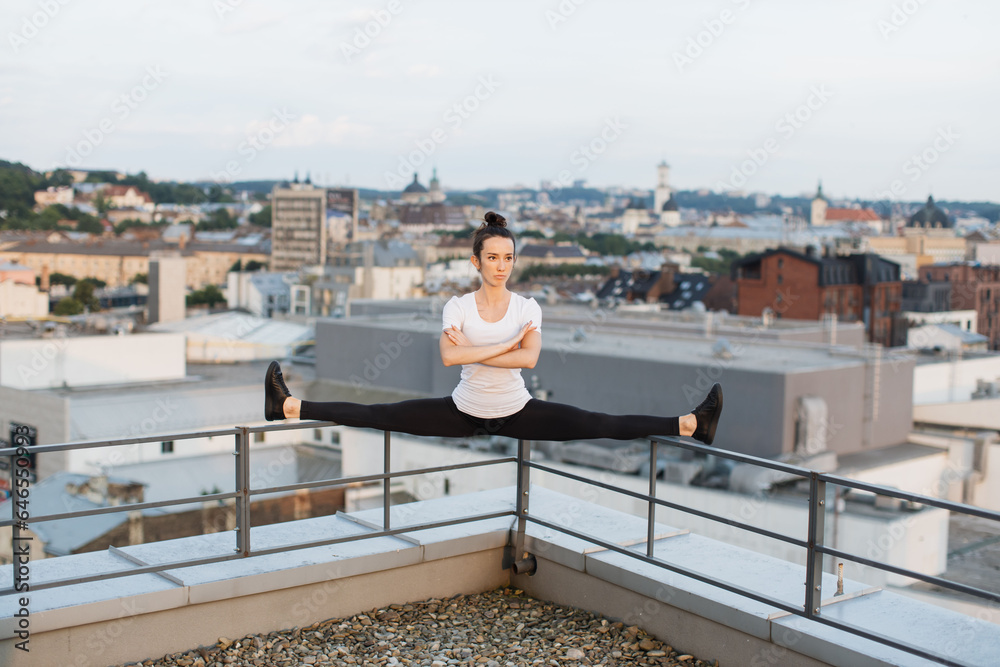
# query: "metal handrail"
813,542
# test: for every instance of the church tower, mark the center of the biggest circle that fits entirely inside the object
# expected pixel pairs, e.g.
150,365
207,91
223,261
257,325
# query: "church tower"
819,204
663,189
436,193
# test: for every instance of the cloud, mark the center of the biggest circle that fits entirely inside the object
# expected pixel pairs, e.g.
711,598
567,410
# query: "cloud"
424,70
311,130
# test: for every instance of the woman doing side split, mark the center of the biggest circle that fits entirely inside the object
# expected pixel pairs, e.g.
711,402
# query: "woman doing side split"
492,333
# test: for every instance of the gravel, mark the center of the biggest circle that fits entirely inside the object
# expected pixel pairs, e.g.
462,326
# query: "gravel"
501,628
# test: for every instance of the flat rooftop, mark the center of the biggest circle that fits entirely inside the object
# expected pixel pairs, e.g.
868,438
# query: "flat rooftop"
621,339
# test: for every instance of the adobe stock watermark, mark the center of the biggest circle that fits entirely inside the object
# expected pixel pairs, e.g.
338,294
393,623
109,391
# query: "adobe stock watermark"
900,15
562,12
33,24
785,128
365,34
454,117
588,153
915,166
121,108
254,143
223,7
713,29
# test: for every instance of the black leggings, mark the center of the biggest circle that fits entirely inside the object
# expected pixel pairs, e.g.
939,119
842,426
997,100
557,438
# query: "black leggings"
537,420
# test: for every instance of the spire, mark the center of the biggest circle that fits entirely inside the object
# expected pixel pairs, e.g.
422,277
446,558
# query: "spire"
819,191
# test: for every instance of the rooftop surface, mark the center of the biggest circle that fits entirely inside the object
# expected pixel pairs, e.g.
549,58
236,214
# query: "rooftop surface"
623,340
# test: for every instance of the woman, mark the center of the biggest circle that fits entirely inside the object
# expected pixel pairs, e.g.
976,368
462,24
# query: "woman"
492,333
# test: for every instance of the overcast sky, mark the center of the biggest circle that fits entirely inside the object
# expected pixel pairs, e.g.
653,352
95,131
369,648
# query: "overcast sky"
765,95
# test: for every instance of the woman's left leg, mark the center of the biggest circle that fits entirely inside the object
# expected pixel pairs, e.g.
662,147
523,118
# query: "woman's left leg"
542,420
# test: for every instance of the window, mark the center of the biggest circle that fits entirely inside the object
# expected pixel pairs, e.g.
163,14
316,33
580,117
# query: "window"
781,262
318,434
167,447
781,279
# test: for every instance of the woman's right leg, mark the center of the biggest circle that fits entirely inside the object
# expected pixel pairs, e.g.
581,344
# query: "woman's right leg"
428,416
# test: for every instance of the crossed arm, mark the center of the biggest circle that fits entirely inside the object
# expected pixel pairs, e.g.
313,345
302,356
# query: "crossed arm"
521,351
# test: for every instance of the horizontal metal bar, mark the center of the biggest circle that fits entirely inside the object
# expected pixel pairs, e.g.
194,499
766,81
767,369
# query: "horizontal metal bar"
733,456
125,508
929,578
289,426
666,503
114,574
912,497
383,533
377,477
639,555
96,444
175,565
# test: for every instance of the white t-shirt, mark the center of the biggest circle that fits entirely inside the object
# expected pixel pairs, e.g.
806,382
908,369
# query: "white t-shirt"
485,391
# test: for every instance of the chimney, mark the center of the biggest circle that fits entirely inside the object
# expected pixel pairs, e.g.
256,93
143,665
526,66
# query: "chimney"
44,284
182,241
668,273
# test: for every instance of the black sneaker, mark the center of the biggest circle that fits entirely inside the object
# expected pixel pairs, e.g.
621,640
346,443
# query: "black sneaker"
707,413
275,393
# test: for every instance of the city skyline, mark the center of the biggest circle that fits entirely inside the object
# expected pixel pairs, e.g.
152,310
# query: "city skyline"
888,100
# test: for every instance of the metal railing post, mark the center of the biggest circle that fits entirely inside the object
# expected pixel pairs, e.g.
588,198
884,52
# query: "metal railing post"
386,468
814,558
243,489
651,510
524,563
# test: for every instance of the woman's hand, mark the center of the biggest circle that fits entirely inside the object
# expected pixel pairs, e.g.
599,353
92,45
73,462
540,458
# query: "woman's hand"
456,336
515,342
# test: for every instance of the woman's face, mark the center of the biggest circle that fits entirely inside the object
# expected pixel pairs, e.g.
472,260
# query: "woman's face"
495,261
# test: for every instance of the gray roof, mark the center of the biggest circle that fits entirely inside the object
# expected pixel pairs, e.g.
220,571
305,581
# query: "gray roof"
10,266
130,248
967,337
276,284
64,536
538,250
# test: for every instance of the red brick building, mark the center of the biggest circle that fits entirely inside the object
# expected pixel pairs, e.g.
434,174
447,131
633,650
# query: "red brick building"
973,287
801,286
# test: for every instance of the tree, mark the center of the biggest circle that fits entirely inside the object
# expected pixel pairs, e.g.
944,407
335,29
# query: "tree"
62,279
101,203
139,278
83,293
218,219
254,265
208,295
262,218
68,306
91,225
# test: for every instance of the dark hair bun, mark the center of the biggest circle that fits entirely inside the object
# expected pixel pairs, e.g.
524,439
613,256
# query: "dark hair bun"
495,219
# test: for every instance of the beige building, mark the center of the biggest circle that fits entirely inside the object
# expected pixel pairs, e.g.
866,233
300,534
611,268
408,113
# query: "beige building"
914,251
128,196
298,227
118,262
53,195
550,255
17,300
